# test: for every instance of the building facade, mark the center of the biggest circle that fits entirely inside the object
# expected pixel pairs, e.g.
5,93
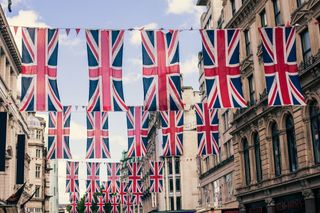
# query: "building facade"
39,171
276,149
180,191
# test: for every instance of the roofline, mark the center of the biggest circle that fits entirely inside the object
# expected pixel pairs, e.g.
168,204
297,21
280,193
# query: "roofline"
9,40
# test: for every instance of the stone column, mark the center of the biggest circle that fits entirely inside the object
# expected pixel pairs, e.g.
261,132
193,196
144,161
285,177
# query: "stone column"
270,205
310,204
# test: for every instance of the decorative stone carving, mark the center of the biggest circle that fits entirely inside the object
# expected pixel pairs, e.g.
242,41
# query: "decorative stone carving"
269,202
308,194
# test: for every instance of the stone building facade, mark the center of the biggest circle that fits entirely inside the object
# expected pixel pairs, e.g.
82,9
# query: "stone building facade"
180,191
39,170
276,149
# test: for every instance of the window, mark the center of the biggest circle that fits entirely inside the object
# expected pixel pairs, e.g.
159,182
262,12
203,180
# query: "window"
315,129
305,45
38,136
38,153
263,18
299,2
276,149
257,153
37,192
172,203
247,42
178,186
251,90
276,10
227,147
233,7
177,165
169,160
178,203
170,185
246,158
229,187
225,116
38,170
291,142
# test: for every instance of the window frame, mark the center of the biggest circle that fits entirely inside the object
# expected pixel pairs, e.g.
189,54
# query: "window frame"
315,129
291,144
247,42
246,157
276,149
277,12
263,18
257,155
306,52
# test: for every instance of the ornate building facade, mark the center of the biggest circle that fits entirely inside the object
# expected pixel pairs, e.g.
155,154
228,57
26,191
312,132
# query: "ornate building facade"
276,149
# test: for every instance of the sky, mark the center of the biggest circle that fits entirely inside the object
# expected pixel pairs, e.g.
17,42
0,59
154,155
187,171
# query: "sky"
73,82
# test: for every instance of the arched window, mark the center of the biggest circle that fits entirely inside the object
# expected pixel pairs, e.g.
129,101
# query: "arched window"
315,129
257,153
291,142
246,158
276,149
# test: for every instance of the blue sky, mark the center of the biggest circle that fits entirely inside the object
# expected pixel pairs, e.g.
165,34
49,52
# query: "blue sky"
73,80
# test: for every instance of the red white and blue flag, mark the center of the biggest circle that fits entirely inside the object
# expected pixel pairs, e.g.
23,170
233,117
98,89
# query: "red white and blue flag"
172,132
113,172
115,204
129,202
156,176
138,197
58,134
220,50
207,129
72,178
39,90
105,50
134,176
88,203
105,191
137,124
73,198
161,70
280,66
122,192
93,178
97,135
101,204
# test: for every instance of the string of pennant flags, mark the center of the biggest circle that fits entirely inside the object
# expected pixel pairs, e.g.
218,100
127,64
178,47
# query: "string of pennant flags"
162,93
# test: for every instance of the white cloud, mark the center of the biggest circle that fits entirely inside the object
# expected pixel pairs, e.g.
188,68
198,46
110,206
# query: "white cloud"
135,35
26,18
190,65
78,132
133,70
182,6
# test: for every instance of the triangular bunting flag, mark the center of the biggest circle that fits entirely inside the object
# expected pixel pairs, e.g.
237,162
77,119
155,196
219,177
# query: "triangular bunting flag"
15,29
67,31
77,30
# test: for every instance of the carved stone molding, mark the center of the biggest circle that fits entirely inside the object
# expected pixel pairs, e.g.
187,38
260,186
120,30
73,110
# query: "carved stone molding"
308,194
270,202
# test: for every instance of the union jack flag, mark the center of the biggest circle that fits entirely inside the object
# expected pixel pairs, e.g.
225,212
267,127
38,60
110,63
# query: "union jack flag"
207,129
39,89
122,192
106,191
105,49
113,171
93,179
72,181
58,134
115,204
280,66
138,197
156,176
161,70
221,68
74,196
129,202
138,124
172,132
97,135
88,203
134,176
101,204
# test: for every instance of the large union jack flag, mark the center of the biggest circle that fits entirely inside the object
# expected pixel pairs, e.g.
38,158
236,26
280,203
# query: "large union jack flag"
221,68
72,180
39,90
138,124
172,132
161,71
113,172
93,179
207,129
280,66
97,135
105,49
156,176
134,176
58,134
